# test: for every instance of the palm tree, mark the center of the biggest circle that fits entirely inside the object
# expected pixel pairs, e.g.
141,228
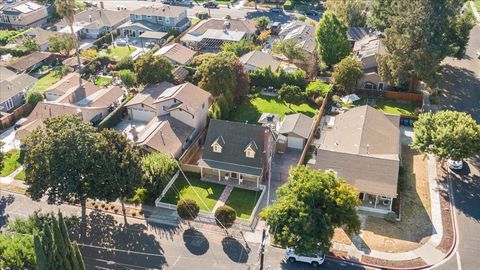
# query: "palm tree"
65,8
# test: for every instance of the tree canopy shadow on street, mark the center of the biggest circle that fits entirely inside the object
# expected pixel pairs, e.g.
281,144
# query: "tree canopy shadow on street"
195,242
119,242
4,202
235,250
274,17
467,187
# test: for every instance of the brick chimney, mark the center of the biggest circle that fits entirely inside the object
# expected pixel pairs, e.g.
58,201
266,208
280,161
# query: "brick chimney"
134,133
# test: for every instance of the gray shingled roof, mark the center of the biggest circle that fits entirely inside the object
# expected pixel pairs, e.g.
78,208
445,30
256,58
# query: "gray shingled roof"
297,124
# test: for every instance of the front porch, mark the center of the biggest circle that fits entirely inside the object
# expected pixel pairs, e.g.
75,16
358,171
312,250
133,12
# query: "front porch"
235,179
375,203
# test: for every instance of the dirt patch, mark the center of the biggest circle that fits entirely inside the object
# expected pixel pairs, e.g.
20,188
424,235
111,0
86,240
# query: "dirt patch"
341,237
415,226
417,262
447,238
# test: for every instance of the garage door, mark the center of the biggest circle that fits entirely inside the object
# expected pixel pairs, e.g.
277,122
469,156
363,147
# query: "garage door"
142,115
296,143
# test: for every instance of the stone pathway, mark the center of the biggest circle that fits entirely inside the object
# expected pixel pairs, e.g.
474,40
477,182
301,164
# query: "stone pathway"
223,198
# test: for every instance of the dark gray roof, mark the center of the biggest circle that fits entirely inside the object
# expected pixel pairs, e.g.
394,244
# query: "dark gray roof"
236,137
356,33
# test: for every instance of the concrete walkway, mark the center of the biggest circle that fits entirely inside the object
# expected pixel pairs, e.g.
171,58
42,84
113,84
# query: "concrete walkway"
223,198
7,180
428,252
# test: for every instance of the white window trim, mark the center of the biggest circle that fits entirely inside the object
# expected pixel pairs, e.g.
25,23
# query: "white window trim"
250,153
217,148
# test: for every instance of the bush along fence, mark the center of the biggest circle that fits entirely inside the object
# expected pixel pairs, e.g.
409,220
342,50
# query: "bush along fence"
114,117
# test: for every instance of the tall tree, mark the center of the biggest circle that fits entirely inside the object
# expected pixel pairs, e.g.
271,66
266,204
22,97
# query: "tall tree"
62,162
347,73
290,49
151,69
187,209
63,44
2,155
30,44
262,22
239,48
447,134
331,35
310,205
158,169
225,216
122,169
291,94
419,34
66,9
351,12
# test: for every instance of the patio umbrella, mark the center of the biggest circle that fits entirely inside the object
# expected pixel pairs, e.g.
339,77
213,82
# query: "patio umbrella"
350,98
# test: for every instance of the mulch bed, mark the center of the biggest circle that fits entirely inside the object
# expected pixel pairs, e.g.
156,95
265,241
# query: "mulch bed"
447,239
418,262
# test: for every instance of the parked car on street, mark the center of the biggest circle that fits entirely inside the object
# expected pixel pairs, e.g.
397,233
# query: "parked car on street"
455,165
314,259
276,10
210,4
313,13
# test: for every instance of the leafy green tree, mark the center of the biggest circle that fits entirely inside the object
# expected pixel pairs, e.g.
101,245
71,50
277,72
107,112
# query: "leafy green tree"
262,23
187,209
158,169
89,54
291,94
310,205
318,88
34,97
266,77
16,252
128,78
151,69
122,170
63,44
447,134
238,48
380,11
40,257
331,35
2,155
30,44
289,49
125,63
225,216
347,73
62,162
66,9
351,12
416,43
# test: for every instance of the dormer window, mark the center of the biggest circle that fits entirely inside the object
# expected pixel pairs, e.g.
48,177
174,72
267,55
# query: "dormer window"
250,153
218,144
217,148
251,149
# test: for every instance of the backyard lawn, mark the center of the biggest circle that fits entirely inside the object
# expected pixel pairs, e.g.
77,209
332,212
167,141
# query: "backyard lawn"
477,4
251,109
243,201
209,192
118,53
103,81
46,81
388,106
13,160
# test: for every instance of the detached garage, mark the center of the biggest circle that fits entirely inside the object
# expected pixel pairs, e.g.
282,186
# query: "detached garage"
296,128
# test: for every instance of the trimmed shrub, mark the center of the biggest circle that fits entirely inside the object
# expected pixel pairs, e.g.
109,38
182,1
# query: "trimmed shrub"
288,5
34,97
187,209
225,216
391,217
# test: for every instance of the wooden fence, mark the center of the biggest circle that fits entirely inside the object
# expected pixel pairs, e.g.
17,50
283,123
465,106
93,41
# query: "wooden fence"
193,149
10,119
405,96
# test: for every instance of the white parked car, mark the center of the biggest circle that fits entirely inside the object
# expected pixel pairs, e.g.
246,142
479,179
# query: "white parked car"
314,260
455,165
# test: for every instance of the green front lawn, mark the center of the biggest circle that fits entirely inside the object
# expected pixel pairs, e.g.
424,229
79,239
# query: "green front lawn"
13,160
103,81
252,108
243,201
395,107
20,176
477,4
46,81
117,53
209,192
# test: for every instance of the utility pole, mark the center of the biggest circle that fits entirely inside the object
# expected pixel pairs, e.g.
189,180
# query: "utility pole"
262,248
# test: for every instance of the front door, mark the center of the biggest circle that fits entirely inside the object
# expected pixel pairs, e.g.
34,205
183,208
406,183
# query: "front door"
233,175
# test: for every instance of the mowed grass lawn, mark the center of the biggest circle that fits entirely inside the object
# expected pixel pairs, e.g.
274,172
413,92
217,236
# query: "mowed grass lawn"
46,81
13,159
243,201
118,53
20,176
252,108
477,4
395,107
209,192
103,81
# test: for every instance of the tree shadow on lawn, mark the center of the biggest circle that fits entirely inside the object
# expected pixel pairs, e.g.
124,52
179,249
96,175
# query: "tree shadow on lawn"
104,231
235,250
195,242
4,202
415,224
245,111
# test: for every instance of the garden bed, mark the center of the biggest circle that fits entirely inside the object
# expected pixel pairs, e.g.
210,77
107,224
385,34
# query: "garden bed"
208,192
252,108
243,201
13,159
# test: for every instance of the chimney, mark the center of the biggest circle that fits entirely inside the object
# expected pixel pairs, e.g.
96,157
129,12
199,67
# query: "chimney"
134,133
266,137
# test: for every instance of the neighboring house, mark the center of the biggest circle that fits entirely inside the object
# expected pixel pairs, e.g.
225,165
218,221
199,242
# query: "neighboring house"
155,19
29,62
177,54
258,60
41,36
355,34
294,131
23,15
13,88
366,50
88,101
209,35
304,33
93,22
169,116
362,146
236,152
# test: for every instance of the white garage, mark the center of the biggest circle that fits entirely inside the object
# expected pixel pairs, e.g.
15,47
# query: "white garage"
294,142
141,114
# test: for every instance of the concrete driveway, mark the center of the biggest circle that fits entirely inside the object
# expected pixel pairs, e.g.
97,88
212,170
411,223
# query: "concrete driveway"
8,138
